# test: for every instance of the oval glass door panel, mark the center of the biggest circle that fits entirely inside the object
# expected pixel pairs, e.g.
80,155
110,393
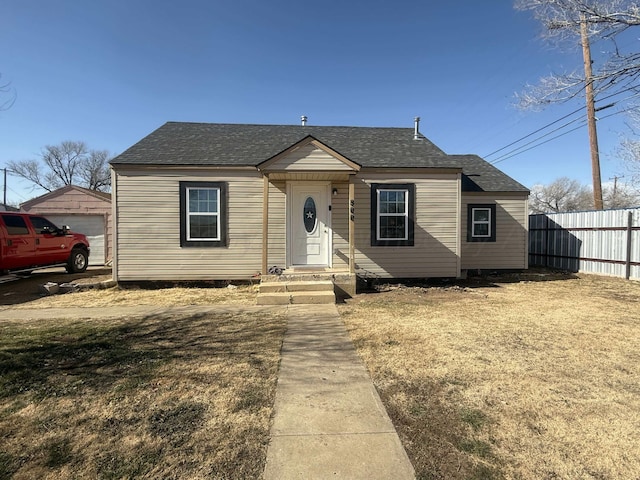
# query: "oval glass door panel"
309,213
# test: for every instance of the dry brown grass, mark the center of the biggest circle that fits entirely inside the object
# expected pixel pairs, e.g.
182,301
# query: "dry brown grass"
529,380
171,296
158,397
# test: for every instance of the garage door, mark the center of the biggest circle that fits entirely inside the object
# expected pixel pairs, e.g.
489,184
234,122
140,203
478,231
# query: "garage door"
90,225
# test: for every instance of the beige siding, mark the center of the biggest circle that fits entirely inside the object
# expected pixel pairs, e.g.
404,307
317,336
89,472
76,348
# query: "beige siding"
510,250
340,226
309,158
148,223
277,224
434,253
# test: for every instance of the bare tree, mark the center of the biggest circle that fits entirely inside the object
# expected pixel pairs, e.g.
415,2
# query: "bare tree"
94,171
620,195
8,94
589,21
605,21
566,195
630,151
70,163
561,195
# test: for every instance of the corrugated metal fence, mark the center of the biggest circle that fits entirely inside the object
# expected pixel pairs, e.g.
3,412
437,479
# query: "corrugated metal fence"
603,242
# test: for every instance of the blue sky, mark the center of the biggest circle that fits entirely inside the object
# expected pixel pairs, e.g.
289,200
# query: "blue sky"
108,73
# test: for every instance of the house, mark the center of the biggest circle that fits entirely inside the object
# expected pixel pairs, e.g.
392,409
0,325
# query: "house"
197,201
85,211
7,208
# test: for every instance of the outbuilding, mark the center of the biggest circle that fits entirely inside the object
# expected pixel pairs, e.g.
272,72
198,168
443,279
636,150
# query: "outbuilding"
85,211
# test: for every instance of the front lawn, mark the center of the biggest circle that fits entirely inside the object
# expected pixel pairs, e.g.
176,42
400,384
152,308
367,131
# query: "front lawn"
530,377
527,377
159,397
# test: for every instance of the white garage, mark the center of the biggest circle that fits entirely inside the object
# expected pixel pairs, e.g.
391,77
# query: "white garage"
90,225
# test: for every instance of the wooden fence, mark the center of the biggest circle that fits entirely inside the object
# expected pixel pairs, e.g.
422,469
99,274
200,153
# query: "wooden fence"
603,242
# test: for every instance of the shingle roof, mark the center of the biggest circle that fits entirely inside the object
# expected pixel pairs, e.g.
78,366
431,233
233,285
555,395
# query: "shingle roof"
207,144
249,145
478,175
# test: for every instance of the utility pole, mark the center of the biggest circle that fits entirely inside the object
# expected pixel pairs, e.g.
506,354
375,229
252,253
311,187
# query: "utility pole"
591,115
615,184
614,195
4,202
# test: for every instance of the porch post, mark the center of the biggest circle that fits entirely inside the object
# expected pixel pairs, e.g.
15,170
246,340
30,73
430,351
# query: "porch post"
265,225
352,224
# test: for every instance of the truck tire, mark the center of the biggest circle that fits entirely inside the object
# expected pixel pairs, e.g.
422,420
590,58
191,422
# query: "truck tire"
78,261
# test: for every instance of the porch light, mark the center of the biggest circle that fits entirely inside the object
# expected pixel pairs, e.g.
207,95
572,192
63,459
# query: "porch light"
334,191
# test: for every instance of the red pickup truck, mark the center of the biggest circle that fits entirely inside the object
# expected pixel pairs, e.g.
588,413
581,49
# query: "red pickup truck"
29,241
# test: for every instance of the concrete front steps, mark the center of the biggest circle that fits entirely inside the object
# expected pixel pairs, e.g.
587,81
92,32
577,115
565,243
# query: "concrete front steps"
295,291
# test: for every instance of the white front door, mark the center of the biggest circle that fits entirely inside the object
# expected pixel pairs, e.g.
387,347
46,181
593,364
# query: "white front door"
309,224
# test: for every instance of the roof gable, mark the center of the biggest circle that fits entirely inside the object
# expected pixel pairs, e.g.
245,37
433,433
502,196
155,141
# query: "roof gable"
106,197
309,154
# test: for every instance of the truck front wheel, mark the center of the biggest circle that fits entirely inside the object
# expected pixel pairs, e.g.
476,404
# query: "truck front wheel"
78,261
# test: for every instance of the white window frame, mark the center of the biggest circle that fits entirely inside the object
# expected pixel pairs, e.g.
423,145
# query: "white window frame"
405,214
475,222
189,214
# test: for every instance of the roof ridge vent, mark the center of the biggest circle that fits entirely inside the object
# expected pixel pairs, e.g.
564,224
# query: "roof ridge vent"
416,130
303,118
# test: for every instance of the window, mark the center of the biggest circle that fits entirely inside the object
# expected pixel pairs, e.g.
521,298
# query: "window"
392,214
15,225
42,225
203,214
481,223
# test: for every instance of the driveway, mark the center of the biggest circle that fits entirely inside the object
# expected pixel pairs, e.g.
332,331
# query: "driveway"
16,289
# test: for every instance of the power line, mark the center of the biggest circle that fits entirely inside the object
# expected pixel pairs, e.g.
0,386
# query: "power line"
579,119
20,196
541,143
534,132
562,118
503,158
517,151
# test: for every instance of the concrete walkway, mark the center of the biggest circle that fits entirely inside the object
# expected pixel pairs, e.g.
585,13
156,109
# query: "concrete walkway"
329,421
